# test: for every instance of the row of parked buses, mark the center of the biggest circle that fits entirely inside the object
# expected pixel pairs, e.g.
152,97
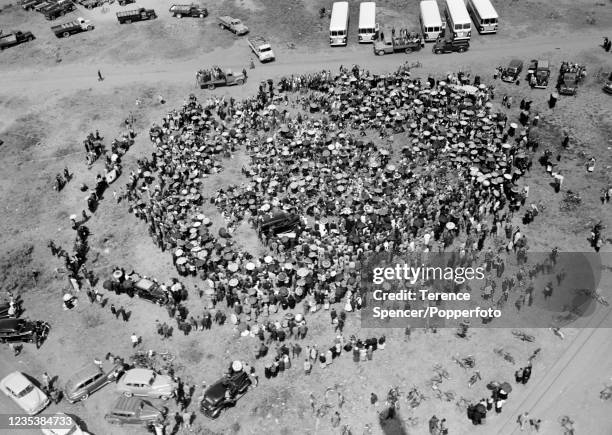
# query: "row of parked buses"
456,20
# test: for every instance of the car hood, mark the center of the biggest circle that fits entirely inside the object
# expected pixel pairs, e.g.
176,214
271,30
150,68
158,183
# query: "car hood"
33,401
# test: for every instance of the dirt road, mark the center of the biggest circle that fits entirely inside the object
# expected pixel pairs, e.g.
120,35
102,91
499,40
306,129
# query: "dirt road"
84,76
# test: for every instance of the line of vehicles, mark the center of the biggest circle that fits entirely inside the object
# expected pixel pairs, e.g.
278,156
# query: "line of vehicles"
457,24
138,388
539,72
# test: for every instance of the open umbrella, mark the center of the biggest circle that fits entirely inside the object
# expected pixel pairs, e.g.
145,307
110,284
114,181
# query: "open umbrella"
506,387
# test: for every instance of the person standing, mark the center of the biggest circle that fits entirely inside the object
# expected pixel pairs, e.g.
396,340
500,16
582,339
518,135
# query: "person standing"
46,382
526,374
100,78
434,425
135,340
522,419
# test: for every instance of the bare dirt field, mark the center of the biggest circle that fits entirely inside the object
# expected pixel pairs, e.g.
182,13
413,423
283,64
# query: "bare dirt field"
47,107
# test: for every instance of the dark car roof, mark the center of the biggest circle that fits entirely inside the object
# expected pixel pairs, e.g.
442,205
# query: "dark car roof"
12,323
515,63
216,391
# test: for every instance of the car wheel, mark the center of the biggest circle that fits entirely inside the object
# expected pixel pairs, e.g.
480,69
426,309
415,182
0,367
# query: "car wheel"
201,15
65,34
461,49
408,50
164,397
240,82
85,396
128,21
128,394
211,86
179,16
380,52
222,26
438,51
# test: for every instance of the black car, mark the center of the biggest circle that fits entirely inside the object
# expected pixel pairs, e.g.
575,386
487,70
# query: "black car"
513,71
279,223
449,46
215,396
23,331
151,291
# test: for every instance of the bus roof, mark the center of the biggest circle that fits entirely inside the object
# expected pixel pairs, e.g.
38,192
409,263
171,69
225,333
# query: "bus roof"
430,14
457,11
484,8
367,15
339,16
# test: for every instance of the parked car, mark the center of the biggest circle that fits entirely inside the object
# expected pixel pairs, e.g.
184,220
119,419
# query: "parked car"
262,49
608,88
125,2
443,45
67,429
15,38
150,291
215,400
513,71
59,11
140,14
89,379
22,331
570,76
132,410
405,41
279,223
147,383
91,4
538,73
24,393
234,25
215,77
192,10
30,4
77,26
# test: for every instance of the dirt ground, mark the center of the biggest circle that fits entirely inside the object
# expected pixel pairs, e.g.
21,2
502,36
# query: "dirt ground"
48,107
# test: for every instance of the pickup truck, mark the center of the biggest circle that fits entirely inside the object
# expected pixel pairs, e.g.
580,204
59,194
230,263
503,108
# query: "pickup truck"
77,26
234,25
570,74
261,48
14,38
538,74
216,77
140,14
443,45
404,42
59,11
192,10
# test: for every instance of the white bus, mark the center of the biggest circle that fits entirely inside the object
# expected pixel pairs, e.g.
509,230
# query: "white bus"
458,20
431,23
368,28
484,15
338,26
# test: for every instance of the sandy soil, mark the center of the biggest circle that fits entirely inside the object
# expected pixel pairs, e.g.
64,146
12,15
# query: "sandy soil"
47,108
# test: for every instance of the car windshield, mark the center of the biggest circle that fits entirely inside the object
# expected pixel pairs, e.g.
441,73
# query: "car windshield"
265,49
27,390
